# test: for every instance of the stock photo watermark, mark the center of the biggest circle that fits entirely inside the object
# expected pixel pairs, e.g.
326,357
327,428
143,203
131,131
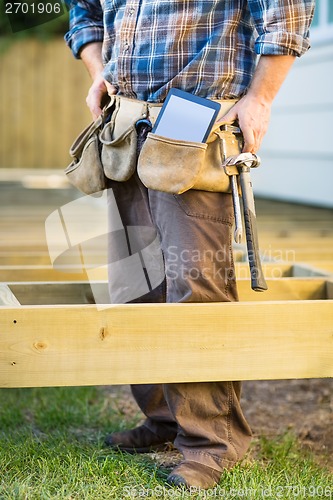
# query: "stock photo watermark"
27,14
220,492
124,263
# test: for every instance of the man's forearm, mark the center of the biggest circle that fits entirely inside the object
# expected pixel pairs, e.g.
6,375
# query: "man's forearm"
91,55
270,73
253,110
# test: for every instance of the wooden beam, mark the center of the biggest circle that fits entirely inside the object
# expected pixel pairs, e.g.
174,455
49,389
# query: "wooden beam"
289,253
36,293
285,270
32,257
29,257
306,270
76,273
154,343
12,273
285,289
329,289
296,241
322,265
44,273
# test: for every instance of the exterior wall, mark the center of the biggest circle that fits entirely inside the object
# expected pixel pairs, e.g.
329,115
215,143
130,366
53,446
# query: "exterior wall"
297,152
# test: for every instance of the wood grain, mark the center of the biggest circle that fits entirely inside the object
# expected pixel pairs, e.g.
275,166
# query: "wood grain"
80,345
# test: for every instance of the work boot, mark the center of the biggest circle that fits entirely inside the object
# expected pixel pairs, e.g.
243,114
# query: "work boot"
193,474
140,440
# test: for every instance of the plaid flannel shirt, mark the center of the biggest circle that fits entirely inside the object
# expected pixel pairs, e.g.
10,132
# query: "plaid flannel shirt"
207,47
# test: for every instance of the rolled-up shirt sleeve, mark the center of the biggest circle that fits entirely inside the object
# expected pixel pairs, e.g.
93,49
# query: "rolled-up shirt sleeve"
282,26
86,24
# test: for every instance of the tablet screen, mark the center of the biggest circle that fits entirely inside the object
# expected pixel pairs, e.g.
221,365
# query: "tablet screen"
186,117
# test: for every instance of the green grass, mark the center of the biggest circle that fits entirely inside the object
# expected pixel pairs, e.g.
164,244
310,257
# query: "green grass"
51,447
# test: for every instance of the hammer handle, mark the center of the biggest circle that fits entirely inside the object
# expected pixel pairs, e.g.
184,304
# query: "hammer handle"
258,282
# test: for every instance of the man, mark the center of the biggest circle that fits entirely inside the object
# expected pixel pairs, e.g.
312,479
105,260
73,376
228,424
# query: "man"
139,49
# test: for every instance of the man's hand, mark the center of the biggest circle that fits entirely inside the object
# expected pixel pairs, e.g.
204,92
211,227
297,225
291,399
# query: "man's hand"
91,55
253,119
97,95
253,110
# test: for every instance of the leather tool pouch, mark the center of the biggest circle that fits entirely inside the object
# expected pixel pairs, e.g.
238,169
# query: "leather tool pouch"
86,172
119,139
106,149
176,166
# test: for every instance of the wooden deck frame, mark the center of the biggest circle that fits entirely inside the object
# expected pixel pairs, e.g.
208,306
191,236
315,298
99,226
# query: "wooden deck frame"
282,334
154,343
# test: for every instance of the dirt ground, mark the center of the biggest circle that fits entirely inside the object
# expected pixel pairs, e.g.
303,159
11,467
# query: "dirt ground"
303,407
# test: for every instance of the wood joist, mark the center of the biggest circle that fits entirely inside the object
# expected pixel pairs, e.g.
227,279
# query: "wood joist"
46,272
52,334
83,292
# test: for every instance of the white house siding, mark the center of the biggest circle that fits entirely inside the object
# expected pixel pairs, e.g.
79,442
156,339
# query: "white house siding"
297,152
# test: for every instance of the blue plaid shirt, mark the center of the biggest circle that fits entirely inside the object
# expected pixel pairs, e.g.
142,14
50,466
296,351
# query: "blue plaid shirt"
206,47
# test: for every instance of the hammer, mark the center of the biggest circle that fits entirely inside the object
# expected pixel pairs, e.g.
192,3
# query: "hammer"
239,164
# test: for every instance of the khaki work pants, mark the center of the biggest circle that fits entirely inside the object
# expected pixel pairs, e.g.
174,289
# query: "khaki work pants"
194,231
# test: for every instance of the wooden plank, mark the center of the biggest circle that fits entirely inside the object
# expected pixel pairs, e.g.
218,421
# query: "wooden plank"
73,272
307,271
31,257
9,258
285,289
297,241
154,343
291,229
285,270
291,254
300,255
322,265
17,250
54,293
41,273
329,289
35,293
270,270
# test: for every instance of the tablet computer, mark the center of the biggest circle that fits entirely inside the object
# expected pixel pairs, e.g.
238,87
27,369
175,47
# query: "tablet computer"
186,117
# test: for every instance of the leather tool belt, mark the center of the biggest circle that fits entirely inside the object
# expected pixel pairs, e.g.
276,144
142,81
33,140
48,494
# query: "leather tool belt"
107,149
